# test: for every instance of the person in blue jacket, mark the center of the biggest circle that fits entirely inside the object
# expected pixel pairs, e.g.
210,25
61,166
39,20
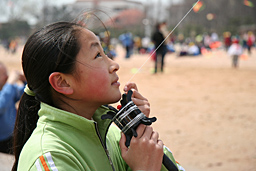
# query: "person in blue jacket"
10,93
127,41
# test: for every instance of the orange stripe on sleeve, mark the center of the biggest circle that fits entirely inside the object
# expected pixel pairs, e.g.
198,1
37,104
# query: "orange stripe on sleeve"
44,163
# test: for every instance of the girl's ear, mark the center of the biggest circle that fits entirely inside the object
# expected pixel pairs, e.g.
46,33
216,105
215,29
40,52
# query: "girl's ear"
59,83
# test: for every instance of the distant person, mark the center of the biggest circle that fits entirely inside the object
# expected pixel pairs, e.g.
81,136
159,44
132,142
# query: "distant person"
207,41
127,41
160,46
145,41
6,44
193,49
227,40
164,30
13,46
214,37
137,44
250,41
10,93
189,50
244,40
235,51
183,50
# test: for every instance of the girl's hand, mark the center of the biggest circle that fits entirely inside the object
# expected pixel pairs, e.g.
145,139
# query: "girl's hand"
138,99
145,151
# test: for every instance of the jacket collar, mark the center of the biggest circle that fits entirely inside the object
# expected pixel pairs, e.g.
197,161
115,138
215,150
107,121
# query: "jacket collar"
48,112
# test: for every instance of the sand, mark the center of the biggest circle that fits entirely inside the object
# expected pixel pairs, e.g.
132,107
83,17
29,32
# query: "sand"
205,109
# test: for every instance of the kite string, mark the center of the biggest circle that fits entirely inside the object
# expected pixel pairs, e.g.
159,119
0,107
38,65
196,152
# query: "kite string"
163,41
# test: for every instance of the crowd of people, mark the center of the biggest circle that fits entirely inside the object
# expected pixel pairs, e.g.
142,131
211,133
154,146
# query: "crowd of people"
188,46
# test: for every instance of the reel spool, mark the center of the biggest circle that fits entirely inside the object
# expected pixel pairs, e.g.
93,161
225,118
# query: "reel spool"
128,119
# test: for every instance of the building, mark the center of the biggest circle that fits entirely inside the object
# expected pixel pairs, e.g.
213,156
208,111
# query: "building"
118,14
109,7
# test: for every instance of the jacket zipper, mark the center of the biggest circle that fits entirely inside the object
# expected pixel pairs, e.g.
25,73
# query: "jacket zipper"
104,146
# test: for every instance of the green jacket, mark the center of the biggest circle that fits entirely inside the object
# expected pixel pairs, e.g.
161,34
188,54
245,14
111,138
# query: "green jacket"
65,141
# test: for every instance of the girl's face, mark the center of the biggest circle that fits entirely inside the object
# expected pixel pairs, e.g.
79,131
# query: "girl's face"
96,81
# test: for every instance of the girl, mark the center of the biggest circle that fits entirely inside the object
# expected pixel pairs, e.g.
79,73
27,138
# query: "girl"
58,125
235,51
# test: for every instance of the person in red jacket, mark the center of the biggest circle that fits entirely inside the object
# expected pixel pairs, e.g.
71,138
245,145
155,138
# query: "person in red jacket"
250,41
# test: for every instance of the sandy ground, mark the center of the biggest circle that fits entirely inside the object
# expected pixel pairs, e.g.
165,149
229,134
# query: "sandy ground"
206,110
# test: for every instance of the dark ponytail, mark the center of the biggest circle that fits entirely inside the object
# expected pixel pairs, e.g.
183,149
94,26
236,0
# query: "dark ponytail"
25,124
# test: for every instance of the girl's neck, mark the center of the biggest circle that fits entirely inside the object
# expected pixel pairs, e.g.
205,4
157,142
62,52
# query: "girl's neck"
84,110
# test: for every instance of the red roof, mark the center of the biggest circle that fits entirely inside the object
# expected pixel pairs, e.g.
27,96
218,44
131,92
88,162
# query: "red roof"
126,18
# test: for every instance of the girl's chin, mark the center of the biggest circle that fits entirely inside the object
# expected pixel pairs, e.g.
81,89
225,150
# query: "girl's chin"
114,97
117,98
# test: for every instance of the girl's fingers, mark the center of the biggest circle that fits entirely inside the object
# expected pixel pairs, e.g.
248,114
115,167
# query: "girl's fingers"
155,136
147,132
160,143
140,102
140,130
130,86
137,95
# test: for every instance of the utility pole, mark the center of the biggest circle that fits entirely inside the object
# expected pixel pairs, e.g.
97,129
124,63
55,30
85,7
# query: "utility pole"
149,20
44,19
95,4
159,8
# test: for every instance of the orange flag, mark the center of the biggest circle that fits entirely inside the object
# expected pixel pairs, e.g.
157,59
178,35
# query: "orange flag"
248,3
198,6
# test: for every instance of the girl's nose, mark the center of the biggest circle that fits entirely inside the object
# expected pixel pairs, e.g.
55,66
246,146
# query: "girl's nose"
114,66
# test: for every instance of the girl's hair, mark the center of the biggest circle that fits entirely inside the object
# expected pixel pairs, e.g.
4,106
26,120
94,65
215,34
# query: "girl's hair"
52,49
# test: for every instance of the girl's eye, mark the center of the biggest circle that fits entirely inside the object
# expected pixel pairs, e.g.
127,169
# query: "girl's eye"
98,55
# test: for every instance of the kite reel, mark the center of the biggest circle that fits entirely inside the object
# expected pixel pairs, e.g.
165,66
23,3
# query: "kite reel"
128,119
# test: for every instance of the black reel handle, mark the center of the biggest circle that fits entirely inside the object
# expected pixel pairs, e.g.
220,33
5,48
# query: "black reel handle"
169,165
128,118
